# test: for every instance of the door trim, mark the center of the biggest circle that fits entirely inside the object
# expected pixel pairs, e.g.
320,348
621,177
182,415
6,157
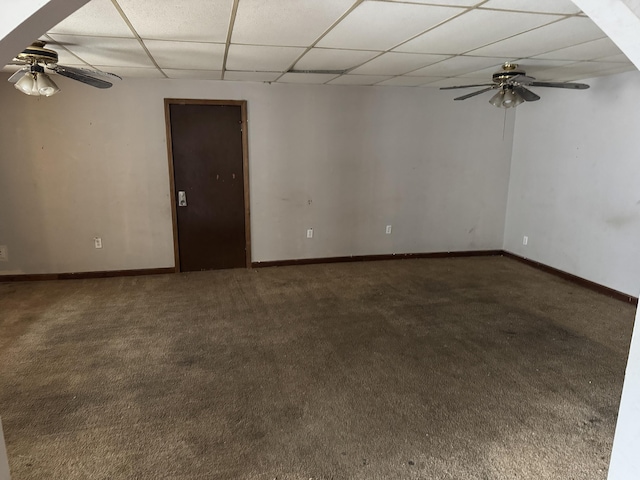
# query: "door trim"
245,170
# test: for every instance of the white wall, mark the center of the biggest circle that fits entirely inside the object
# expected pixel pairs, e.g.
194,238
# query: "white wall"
625,460
344,160
574,177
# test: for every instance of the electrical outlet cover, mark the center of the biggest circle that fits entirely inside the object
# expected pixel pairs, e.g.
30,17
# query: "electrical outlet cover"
4,253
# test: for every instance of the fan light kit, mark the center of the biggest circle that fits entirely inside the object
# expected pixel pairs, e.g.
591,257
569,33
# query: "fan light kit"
511,83
33,80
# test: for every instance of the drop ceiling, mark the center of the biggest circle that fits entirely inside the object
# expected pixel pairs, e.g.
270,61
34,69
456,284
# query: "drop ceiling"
413,43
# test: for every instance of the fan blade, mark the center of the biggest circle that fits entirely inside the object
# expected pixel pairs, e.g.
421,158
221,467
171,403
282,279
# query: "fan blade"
522,80
526,94
469,95
86,76
467,86
18,75
574,86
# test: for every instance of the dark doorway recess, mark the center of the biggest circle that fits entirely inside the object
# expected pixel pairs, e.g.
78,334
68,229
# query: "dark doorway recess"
208,166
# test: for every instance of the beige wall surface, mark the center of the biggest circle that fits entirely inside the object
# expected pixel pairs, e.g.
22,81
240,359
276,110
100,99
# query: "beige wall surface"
574,182
346,161
4,462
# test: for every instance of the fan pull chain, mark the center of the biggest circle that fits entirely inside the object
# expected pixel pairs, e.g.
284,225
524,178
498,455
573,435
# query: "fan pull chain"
504,124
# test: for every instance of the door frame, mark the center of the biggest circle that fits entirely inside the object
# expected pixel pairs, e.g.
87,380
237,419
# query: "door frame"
245,170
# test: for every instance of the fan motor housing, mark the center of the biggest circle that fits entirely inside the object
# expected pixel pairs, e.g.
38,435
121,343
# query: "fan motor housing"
509,70
36,54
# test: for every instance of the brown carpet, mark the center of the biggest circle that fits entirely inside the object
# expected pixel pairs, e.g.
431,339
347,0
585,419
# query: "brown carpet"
477,368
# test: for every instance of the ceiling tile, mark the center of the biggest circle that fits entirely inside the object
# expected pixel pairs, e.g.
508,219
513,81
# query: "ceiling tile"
194,74
359,79
186,20
374,25
472,30
251,76
316,78
548,6
64,56
286,23
404,81
115,52
622,58
449,3
186,55
331,59
263,59
459,66
96,18
132,72
564,33
602,47
455,81
397,63
581,71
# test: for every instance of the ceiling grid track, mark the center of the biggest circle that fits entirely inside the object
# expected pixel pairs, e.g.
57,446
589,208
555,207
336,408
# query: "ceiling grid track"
135,33
232,21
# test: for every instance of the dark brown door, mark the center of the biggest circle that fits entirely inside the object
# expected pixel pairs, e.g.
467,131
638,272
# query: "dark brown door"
208,174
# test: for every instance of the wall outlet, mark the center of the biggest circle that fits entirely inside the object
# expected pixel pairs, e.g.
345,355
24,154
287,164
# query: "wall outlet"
388,230
4,253
309,232
525,240
97,242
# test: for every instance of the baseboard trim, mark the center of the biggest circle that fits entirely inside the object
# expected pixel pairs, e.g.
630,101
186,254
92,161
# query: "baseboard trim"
574,278
374,258
358,258
84,275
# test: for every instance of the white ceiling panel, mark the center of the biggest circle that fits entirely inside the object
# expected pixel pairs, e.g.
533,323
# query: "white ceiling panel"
359,79
251,76
309,78
452,82
186,55
602,47
382,25
132,72
581,71
622,58
286,23
548,6
261,59
443,39
98,18
331,59
404,81
397,63
459,66
473,29
565,33
185,20
108,51
449,3
64,56
194,74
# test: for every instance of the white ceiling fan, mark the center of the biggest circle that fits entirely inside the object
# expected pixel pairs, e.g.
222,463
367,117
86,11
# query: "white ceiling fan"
32,79
512,84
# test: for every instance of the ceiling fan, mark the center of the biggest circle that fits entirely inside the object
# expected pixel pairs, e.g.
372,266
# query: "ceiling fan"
511,83
33,80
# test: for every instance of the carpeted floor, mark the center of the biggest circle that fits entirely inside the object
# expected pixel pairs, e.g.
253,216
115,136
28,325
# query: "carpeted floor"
463,368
